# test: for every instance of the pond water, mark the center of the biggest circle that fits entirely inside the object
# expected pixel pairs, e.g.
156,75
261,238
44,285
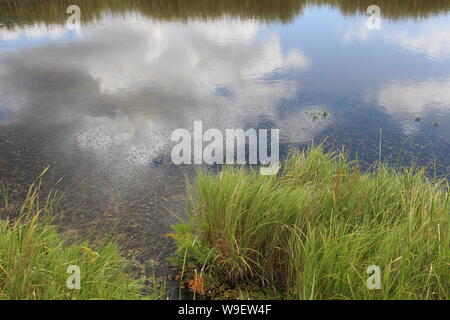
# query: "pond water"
98,104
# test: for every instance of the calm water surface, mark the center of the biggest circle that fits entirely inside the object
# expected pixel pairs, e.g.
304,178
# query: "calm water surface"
99,104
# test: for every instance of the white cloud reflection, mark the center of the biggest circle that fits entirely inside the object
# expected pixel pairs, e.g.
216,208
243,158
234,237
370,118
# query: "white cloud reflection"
429,99
165,75
416,98
433,41
431,37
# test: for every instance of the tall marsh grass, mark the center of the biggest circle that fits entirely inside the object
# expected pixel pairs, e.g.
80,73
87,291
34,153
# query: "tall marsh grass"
34,257
312,231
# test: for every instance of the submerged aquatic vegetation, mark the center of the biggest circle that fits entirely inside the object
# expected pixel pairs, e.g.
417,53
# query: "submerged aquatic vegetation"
312,231
35,258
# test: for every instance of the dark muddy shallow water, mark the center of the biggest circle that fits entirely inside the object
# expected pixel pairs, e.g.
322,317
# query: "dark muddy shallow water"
98,104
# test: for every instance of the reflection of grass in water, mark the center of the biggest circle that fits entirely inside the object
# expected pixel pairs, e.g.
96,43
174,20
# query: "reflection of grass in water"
393,9
312,231
265,10
55,11
34,258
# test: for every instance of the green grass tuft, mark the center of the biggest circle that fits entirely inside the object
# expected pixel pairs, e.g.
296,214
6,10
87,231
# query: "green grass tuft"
34,258
312,231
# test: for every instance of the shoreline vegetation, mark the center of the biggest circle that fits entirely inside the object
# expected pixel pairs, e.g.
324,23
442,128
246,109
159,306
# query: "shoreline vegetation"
35,256
313,231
